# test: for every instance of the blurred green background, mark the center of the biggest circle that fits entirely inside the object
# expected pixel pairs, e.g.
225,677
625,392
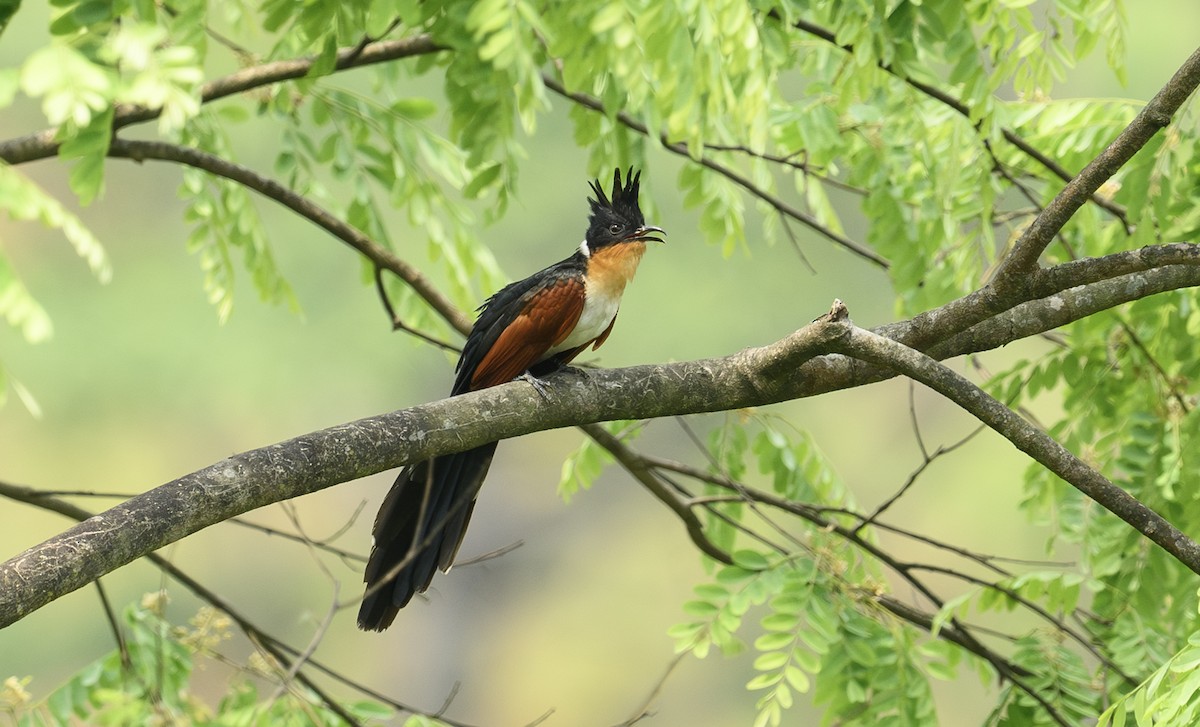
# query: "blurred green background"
140,384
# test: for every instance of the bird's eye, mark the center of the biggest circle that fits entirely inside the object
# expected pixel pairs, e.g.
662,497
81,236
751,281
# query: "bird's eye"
614,228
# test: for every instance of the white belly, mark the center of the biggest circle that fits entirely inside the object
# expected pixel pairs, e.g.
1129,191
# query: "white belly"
599,310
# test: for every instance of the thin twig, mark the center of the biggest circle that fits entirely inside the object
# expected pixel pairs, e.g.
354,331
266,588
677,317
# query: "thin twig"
301,205
946,99
489,555
1171,386
1034,442
649,480
643,710
681,149
541,718
276,532
287,677
43,144
448,700
399,325
915,474
277,648
114,624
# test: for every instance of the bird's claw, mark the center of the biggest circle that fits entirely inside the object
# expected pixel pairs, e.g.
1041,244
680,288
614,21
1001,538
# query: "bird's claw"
538,385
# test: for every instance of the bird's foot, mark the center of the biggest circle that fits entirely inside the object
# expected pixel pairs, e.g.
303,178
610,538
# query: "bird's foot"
538,385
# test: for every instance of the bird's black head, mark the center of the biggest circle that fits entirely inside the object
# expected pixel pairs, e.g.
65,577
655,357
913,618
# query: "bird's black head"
619,218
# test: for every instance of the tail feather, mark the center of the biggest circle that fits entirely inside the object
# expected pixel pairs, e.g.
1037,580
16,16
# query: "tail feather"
434,534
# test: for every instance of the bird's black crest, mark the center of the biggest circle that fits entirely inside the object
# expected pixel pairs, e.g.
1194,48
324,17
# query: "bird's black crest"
624,200
621,207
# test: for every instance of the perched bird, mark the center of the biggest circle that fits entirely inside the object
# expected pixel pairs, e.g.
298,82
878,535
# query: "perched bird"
533,327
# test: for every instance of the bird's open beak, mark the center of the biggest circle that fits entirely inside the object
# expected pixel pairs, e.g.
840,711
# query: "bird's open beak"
646,234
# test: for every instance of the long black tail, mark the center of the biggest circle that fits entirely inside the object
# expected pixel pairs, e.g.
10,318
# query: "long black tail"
418,530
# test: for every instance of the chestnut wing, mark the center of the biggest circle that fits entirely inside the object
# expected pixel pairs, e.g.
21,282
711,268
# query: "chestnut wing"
525,328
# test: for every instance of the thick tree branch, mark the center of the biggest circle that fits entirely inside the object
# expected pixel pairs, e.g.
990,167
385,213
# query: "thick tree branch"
1059,309
321,459
936,326
788,369
980,322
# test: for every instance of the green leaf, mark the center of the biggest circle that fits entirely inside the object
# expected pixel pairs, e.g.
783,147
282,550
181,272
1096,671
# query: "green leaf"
10,81
413,108
25,396
91,12
72,88
763,681
750,560
89,145
325,61
797,679
19,308
700,609
609,15
24,200
733,574
786,622
771,661
8,8
155,74
774,641
483,179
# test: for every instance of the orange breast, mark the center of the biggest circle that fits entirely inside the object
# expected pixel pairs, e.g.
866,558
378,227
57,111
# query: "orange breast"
611,268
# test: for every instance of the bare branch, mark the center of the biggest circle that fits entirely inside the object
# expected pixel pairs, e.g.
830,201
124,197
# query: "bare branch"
1029,439
938,327
163,151
649,479
399,325
1059,309
643,709
1154,116
954,631
114,624
286,678
275,647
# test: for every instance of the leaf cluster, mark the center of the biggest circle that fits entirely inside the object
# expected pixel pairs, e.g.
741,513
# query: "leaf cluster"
149,680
